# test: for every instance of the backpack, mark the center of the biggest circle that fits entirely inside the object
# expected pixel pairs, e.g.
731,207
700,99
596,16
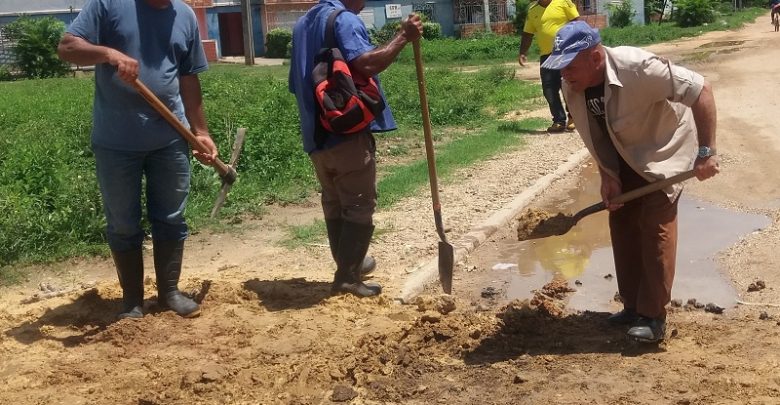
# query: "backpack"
346,104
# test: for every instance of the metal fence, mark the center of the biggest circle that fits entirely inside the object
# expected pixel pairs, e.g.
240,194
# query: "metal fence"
427,9
283,19
473,11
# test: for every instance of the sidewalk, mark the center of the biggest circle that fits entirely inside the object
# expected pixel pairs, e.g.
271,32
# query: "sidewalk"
258,61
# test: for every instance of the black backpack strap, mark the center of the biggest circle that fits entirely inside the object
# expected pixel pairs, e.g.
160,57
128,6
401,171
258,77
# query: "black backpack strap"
330,29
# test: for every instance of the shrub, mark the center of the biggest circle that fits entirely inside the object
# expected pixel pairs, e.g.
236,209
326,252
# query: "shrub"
276,43
521,12
691,13
385,34
5,74
34,46
431,30
621,14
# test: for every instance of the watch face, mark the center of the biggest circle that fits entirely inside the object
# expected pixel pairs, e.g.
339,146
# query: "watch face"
705,151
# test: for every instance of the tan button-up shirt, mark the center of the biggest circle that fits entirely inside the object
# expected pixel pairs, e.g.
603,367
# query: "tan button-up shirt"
647,101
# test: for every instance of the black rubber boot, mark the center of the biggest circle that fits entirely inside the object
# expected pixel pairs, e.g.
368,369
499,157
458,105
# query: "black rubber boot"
130,269
167,266
352,249
334,237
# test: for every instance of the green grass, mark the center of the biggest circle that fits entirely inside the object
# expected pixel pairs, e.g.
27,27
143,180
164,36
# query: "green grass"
305,235
653,33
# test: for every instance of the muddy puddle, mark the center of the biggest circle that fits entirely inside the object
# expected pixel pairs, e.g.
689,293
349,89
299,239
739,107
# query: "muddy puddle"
508,269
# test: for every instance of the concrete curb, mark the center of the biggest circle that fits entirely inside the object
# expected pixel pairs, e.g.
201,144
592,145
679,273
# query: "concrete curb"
502,218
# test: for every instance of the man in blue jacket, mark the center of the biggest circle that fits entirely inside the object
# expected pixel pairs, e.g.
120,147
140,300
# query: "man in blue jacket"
345,164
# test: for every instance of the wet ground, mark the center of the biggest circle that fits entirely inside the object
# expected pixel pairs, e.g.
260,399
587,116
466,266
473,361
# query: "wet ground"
508,269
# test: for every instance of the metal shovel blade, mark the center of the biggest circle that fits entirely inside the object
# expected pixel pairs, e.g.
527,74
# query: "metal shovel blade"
446,264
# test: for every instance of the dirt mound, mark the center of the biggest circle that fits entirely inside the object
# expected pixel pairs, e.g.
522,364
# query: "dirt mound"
535,223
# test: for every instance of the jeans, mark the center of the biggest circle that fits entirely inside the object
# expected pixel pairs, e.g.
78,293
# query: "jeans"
551,87
119,175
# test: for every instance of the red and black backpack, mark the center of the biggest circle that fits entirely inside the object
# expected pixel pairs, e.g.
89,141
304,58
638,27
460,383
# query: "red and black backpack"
346,104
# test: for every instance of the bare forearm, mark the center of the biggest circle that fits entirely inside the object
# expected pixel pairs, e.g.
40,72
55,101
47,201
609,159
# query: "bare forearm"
525,43
377,60
705,116
192,98
78,51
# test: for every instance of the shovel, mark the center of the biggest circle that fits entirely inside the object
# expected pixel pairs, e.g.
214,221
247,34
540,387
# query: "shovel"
446,252
560,224
227,173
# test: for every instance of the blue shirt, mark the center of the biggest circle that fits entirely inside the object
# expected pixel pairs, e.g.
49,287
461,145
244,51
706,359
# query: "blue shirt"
308,38
166,44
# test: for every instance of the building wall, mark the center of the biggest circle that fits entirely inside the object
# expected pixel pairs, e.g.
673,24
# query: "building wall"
442,10
212,17
39,6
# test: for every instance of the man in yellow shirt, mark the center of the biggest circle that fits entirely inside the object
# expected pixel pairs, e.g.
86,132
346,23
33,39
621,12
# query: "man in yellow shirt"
545,18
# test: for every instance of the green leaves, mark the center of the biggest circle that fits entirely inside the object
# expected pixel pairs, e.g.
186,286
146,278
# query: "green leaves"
35,46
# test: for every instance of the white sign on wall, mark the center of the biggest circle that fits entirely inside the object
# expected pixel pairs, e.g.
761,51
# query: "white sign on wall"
393,11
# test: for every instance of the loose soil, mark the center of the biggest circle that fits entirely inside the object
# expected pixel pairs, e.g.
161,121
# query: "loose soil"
270,333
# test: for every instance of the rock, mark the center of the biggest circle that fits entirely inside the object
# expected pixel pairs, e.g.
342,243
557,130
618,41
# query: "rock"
713,308
431,317
608,277
483,308
213,373
519,379
577,283
475,334
446,304
700,305
757,285
617,297
691,302
489,292
763,316
343,393
676,302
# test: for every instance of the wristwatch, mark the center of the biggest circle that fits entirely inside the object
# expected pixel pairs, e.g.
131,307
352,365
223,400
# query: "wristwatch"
705,151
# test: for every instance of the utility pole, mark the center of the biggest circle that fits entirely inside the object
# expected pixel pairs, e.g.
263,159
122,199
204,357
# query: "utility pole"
246,20
486,7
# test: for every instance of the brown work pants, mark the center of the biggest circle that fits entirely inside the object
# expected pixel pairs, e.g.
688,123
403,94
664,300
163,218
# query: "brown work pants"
644,245
347,174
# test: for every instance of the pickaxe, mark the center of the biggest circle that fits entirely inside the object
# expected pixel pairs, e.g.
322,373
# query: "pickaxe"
226,173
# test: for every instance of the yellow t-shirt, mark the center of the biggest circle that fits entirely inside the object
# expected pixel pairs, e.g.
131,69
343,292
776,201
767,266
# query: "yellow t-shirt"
544,22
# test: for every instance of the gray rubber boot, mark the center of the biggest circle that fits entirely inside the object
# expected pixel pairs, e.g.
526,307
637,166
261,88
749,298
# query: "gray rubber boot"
130,269
334,238
353,246
167,266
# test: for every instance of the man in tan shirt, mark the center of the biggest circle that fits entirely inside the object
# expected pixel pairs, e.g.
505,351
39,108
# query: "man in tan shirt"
643,119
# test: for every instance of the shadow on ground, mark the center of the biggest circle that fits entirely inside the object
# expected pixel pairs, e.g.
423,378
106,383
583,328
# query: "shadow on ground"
296,293
524,333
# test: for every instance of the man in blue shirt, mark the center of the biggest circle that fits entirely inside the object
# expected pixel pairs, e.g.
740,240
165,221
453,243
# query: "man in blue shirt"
345,164
157,41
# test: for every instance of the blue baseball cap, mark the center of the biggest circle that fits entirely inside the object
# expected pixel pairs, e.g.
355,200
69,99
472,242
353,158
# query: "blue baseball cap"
572,38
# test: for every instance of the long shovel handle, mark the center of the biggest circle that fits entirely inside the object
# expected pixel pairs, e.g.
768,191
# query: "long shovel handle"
636,193
426,117
227,173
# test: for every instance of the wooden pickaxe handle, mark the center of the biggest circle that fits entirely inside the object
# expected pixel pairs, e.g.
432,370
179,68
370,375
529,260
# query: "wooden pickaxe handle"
227,173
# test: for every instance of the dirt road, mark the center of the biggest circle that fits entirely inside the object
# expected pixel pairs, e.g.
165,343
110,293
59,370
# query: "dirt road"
270,333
